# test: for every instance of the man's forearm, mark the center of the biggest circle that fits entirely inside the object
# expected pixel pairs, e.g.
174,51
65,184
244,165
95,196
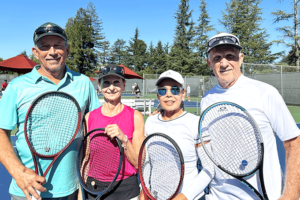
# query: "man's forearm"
292,174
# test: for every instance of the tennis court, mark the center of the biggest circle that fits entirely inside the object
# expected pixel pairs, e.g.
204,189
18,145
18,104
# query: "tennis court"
6,178
191,106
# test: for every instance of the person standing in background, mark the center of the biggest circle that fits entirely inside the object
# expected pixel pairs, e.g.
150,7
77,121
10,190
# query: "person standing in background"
137,91
188,91
3,86
132,87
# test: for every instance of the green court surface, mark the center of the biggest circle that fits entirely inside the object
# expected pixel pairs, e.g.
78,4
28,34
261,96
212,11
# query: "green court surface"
295,111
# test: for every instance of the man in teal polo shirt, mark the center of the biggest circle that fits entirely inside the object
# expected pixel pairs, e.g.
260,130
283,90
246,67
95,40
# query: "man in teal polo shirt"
51,49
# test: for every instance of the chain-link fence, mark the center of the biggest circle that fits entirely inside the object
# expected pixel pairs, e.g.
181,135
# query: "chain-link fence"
129,83
195,83
286,79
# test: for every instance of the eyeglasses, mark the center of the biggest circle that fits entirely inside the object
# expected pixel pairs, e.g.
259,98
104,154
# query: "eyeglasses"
54,29
114,69
174,90
225,39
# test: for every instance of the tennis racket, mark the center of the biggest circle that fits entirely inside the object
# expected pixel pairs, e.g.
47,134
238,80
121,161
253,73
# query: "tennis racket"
161,167
237,146
99,163
51,124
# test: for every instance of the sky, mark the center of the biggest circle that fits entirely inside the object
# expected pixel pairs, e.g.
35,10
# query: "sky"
154,19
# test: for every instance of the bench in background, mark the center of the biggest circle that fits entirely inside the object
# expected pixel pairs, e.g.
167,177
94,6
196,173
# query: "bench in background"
142,105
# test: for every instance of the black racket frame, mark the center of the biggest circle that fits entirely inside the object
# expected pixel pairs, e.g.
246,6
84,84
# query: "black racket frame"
78,164
258,167
146,192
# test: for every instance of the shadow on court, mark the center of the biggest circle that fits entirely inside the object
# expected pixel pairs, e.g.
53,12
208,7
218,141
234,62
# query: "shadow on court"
5,178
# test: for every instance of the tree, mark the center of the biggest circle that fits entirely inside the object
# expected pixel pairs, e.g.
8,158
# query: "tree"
85,39
98,37
137,52
34,59
104,53
24,53
242,18
200,40
290,59
181,55
1,72
290,33
161,59
151,57
118,52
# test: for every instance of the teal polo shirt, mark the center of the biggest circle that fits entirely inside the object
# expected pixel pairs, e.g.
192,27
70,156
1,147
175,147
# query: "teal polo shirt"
62,178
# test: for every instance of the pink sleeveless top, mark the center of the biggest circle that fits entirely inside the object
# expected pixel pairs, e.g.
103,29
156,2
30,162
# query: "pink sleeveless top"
125,121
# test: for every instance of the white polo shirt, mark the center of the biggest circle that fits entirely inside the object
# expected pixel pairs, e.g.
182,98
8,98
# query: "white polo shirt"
268,109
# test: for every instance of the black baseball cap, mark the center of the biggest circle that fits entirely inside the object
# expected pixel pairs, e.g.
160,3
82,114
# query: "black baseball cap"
48,28
112,70
223,39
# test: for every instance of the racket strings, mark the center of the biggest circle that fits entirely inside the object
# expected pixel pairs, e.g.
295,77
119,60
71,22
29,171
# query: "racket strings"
161,167
238,148
51,123
84,158
99,162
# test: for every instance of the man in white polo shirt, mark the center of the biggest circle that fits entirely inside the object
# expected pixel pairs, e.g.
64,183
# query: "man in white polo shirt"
268,109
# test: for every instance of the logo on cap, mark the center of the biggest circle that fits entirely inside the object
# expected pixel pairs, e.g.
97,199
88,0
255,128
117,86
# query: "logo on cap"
49,26
168,73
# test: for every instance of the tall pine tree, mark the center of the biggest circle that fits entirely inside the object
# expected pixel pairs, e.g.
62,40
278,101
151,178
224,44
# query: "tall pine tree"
137,52
290,32
118,52
161,61
200,40
104,53
85,39
242,18
181,55
151,57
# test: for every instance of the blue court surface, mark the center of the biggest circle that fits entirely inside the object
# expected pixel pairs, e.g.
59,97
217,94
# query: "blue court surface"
5,178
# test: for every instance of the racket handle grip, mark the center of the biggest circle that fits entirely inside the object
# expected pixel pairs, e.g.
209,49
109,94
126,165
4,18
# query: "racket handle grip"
39,193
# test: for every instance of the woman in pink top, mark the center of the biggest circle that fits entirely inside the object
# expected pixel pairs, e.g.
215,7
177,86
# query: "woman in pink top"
122,122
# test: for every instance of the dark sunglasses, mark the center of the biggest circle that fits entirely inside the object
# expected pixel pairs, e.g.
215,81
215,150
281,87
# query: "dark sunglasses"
114,69
174,90
54,29
225,39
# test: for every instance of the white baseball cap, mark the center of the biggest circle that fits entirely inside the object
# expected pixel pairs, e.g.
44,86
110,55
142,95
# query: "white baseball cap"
223,39
172,75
